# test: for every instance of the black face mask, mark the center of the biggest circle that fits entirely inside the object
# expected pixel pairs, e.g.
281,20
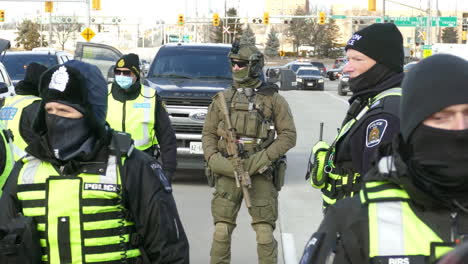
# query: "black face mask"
439,162
68,137
369,79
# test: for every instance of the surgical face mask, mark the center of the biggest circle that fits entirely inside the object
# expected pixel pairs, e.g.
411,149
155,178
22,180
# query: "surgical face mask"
124,81
69,137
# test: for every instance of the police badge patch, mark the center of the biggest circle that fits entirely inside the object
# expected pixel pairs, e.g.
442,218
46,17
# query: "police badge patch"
375,132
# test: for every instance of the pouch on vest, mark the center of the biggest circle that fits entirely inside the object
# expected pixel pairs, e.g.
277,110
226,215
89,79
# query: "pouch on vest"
316,164
279,172
210,177
19,242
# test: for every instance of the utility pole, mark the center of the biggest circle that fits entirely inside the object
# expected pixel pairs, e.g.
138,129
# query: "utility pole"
429,22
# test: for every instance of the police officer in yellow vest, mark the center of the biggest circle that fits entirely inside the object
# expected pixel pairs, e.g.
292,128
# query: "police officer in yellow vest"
93,196
413,207
138,110
375,66
19,110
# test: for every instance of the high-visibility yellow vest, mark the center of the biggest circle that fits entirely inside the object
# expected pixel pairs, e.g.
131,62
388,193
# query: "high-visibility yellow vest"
10,115
9,162
336,183
80,219
395,231
136,117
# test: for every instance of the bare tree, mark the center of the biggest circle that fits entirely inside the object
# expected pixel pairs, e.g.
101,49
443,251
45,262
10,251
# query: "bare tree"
64,31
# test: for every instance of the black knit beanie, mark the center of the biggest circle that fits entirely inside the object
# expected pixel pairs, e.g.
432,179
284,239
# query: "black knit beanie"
432,85
382,42
130,61
30,84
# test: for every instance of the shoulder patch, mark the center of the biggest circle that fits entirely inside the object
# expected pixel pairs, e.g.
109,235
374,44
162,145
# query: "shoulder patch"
375,132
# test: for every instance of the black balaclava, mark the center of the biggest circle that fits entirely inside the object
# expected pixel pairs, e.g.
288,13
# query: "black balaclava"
81,86
437,158
375,75
30,84
132,62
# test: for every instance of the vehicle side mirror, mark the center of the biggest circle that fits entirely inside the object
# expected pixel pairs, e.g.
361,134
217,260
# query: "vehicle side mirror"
3,88
110,74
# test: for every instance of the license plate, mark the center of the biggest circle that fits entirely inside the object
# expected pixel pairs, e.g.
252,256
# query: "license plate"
196,148
310,84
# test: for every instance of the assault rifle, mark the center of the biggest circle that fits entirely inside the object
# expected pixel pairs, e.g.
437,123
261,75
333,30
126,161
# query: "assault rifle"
242,176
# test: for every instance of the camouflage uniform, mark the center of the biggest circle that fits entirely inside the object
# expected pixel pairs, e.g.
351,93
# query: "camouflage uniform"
255,117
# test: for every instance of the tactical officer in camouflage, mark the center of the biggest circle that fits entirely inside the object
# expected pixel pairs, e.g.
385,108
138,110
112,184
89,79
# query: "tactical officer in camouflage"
257,113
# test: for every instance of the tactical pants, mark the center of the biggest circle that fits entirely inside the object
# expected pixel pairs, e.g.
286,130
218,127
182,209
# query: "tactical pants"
225,206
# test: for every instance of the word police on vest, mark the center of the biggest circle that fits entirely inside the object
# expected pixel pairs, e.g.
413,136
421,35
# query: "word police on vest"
100,187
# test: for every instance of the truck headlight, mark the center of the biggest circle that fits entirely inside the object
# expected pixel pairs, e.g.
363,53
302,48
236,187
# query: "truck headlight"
320,81
298,80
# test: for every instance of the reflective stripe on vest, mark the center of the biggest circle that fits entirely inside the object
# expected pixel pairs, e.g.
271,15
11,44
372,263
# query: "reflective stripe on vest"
139,117
333,189
10,115
79,219
9,162
394,229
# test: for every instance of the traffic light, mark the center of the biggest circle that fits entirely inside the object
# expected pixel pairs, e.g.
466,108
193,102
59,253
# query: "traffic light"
96,5
266,18
49,5
371,5
2,15
181,21
216,19
322,18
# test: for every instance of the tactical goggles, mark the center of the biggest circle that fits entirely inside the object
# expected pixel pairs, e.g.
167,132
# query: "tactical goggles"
123,72
239,63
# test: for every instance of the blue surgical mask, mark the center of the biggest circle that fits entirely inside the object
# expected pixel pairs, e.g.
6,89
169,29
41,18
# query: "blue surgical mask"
124,81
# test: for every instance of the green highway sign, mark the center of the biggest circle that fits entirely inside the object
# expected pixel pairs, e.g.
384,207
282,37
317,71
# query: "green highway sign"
426,47
338,16
421,21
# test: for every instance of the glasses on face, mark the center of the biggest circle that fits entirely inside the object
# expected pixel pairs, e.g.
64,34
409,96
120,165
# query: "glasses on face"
239,63
123,72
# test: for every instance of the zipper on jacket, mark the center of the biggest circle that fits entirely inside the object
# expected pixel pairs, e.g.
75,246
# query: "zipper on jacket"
124,107
63,239
453,226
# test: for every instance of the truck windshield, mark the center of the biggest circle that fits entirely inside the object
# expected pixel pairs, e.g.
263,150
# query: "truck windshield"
188,63
16,63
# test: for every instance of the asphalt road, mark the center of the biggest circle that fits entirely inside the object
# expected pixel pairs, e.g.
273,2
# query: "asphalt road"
299,204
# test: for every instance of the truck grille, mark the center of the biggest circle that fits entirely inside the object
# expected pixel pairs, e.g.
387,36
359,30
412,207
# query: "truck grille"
187,101
187,128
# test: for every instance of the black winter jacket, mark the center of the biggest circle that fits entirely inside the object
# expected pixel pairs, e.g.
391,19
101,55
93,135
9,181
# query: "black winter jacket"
344,232
148,196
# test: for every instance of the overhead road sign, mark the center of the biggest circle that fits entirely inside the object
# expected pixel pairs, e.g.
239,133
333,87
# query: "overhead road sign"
421,21
338,17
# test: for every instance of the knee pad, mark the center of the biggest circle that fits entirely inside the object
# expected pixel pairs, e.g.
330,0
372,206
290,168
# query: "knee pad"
264,233
222,232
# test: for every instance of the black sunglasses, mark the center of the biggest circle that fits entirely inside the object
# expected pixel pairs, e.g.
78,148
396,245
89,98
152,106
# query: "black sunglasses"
124,72
239,63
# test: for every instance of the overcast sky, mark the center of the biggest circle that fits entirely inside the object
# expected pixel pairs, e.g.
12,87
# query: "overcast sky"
152,10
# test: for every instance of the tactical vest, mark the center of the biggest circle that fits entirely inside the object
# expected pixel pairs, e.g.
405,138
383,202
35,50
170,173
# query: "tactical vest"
252,119
80,219
342,182
136,117
396,234
10,116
